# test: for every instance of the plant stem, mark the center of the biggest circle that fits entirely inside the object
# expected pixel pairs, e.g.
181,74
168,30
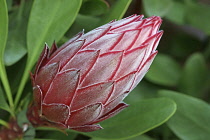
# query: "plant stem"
2,122
5,83
3,74
24,79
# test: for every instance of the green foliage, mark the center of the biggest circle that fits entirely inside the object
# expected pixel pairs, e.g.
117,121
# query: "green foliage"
141,137
85,22
194,75
116,12
200,18
3,38
176,16
157,7
4,26
191,120
181,66
130,123
53,133
94,7
16,42
164,71
186,12
48,22
23,122
61,135
3,102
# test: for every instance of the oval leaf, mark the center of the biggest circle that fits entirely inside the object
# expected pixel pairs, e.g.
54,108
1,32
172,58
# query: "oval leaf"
94,7
116,11
81,22
137,119
164,71
194,76
49,21
157,7
16,43
3,39
175,15
3,27
191,120
196,15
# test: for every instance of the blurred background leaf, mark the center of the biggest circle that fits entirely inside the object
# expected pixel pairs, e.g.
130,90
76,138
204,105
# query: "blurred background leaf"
94,7
194,75
117,11
157,7
197,15
191,120
174,15
88,21
164,71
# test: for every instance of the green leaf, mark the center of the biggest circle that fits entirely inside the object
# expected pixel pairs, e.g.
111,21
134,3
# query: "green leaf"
191,120
43,139
30,133
16,43
137,119
198,15
9,4
82,22
117,11
206,52
94,7
182,45
3,38
57,135
176,16
24,122
22,118
157,7
15,77
3,35
3,123
3,103
144,90
164,71
141,137
54,133
194,75
48,21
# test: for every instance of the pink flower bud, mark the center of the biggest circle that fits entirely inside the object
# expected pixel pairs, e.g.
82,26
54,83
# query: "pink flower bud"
85,80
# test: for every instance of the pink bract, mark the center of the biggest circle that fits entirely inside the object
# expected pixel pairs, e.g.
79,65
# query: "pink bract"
85,80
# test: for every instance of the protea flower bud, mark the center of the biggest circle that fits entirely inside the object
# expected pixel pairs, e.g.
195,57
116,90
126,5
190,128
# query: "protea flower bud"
85,80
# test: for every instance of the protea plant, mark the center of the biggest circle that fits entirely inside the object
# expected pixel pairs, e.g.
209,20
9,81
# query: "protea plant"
85,80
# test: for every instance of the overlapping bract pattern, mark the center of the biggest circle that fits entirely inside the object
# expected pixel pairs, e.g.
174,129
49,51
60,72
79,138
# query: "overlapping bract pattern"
85,80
